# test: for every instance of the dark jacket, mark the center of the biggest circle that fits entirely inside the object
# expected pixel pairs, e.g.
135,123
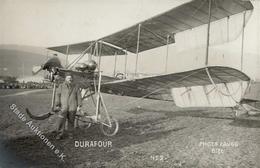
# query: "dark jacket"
68,98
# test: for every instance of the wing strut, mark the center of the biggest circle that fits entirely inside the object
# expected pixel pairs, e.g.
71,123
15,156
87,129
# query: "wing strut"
242,43
98,52
115,64
67,55
137,47
208,34
125,63
167,53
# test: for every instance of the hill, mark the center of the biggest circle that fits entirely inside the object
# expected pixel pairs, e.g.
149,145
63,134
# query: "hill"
18,60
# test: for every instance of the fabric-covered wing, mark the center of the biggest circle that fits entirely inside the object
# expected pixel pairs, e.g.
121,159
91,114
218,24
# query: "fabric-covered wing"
160,87
253,92
106,50
154,31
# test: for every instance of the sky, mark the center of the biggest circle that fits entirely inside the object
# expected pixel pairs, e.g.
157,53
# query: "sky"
46,23
57,22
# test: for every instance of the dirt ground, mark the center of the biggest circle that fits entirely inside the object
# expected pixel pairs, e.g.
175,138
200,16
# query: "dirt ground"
151,134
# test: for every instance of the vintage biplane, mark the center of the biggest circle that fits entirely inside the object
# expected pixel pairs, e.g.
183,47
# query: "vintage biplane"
208,86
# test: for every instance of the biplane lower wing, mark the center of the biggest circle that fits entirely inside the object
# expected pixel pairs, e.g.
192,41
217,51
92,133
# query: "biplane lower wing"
252,93
206,87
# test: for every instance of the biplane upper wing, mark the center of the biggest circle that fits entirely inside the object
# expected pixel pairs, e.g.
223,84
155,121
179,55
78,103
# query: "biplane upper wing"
159,30
154,31
161,87
78,48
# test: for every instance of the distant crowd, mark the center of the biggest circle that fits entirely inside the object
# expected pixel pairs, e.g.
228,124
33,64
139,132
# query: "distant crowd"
10,82
27,85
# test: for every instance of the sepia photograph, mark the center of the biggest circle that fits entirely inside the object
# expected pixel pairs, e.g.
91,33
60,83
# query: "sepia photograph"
129,83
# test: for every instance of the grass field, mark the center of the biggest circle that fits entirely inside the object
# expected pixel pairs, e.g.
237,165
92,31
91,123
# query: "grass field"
4,92
151,134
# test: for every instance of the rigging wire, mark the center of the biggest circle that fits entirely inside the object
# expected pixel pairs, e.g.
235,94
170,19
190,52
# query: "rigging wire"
80,56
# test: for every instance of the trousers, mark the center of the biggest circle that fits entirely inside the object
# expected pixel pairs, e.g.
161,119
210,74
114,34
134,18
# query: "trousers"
62,117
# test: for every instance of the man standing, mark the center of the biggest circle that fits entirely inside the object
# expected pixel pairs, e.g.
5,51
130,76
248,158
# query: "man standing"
69,100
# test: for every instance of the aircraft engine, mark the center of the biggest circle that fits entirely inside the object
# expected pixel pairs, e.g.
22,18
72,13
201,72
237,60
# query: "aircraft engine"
81,67
90,65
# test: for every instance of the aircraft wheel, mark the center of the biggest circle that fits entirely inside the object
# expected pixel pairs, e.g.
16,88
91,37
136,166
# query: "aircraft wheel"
120,75
110,131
